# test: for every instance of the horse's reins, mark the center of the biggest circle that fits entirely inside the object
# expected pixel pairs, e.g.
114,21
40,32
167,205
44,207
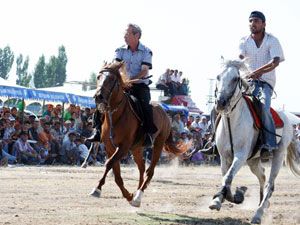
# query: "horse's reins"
239,82
112,111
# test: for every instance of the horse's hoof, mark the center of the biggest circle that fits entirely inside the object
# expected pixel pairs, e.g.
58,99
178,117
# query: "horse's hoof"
256,220
84,165
215,204
135,203
239,195
96,193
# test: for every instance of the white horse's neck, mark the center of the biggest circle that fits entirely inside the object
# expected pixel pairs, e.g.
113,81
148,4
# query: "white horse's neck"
241,129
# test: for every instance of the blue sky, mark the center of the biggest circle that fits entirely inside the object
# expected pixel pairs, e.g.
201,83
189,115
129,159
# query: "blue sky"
188,35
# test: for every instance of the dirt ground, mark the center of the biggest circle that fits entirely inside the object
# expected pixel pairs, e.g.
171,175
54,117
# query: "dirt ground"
177,195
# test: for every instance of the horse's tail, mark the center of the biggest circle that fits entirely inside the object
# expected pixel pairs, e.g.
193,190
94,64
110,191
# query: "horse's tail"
291,158
176,148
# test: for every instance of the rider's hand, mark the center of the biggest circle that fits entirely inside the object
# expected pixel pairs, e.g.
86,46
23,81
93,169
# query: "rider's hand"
127,86
253,76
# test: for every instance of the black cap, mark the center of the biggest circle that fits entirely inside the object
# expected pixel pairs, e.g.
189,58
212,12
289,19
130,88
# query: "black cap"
258,14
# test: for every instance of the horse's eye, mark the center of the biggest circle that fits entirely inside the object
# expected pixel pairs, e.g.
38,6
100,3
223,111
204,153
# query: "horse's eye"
235,79
218,77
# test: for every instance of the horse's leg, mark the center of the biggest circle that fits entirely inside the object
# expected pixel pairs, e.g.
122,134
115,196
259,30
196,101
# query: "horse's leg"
269,188
158,145
257,169
116,156
139,160
120,183
238,161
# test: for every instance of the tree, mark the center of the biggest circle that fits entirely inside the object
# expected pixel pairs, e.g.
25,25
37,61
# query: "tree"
61,63
23,78
6,61
39,74
53,73
93,81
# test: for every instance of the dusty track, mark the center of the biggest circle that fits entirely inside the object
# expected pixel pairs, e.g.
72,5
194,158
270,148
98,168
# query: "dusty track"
177,195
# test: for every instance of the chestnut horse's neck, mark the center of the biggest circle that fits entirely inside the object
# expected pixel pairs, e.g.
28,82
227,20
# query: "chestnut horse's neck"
117,99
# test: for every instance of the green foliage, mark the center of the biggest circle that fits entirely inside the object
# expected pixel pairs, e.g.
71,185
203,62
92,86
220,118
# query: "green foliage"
39,73
85,85
53,73
23,77
6,61
93,81
61,64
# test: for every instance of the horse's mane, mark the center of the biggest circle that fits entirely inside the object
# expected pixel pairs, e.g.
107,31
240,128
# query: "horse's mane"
119,70
241,65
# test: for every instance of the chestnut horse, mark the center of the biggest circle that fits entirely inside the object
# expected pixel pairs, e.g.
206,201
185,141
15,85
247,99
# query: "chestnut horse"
121,131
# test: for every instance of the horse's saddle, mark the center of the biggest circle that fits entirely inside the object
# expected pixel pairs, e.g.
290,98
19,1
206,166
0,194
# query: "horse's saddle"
136,107
254,107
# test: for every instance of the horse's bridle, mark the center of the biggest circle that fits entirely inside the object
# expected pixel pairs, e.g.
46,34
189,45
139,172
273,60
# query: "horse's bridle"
110,91
237,84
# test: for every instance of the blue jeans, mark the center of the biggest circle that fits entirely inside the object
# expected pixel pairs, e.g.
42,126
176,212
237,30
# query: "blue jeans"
263,92
11,158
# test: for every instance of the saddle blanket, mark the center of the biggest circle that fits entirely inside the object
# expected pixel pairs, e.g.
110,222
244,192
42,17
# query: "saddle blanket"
257,120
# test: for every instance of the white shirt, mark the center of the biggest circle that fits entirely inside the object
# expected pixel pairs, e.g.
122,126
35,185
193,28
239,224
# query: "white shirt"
176,78
269,49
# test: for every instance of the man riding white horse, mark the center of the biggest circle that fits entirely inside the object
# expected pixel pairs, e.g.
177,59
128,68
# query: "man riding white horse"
264,53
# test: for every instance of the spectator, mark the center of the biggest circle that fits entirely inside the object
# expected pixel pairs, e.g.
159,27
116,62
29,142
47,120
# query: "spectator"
57,111
68,112
203,125
33,131
83,151
24,152
57,132
162,83
49,111
183,87
14,112
191,119
86,116
177,124
68,154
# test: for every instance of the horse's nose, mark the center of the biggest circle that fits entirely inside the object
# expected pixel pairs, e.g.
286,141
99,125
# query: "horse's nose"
221,103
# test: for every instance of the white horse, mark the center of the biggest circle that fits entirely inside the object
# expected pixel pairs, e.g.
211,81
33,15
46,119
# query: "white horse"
236,139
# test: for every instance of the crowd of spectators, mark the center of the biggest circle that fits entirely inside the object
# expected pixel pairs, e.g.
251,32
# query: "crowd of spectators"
195,129
173,83
56,137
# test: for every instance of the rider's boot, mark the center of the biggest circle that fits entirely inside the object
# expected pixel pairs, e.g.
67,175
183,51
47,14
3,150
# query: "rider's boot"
266,152
97,123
